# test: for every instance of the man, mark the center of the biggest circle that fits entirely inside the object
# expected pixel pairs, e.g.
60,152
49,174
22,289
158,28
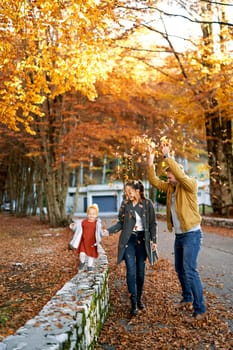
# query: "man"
183,217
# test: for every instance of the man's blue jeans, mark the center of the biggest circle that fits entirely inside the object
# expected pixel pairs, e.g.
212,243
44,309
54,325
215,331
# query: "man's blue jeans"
187,247
135,257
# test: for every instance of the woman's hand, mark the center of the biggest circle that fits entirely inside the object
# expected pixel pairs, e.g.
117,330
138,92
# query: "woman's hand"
153,246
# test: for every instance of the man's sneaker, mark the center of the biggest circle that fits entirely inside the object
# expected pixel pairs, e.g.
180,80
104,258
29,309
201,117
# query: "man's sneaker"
197,317
81,266
200,317
89,268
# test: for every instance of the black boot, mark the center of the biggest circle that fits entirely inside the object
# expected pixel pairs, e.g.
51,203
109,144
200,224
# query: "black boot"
133,310
140,304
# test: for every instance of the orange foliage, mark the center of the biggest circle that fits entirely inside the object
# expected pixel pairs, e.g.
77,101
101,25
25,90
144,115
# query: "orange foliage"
48,48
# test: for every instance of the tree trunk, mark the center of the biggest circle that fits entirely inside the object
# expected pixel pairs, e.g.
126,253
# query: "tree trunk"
55,171
219,146
56,192
20,184
219,138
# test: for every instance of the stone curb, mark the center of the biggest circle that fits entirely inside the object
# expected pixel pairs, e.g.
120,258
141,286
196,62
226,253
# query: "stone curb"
72,319
208,221
219,222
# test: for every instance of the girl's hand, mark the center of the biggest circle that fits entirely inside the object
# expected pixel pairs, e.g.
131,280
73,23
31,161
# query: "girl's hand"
72,225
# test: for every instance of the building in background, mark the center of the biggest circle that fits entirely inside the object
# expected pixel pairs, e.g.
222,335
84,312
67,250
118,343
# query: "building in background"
95,186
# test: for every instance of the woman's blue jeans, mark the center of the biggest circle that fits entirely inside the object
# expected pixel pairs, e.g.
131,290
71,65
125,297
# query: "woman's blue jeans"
187,247
135,257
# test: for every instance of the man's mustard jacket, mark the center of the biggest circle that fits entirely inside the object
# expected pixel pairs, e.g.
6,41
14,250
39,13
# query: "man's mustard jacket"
186,203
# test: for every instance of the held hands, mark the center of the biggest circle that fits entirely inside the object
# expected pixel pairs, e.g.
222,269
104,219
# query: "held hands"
105,232
72,225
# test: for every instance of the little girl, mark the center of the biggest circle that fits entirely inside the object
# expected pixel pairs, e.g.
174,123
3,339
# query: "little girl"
87,237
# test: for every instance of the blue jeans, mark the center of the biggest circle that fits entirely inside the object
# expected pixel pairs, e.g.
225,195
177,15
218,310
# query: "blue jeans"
135,257
187,247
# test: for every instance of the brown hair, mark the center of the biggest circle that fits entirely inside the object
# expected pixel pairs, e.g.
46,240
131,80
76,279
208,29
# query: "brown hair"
137,185
168,169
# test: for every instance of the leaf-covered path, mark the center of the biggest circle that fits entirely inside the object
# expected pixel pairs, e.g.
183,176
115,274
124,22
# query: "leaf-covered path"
35,263
162,325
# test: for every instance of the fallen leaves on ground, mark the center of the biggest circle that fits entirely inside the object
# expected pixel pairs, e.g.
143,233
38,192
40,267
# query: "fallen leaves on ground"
162,325
35,263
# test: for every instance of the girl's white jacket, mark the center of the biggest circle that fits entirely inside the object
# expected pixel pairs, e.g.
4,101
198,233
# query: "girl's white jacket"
76,227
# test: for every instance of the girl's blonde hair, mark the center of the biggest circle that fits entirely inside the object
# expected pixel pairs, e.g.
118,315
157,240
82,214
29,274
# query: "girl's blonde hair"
93,206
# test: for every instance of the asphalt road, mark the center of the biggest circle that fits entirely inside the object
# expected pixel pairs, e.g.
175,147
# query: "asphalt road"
215,261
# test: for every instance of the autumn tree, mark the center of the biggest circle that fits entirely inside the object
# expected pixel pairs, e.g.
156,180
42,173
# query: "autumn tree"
62,53
207,79
196,81
86,81
218,108
49,50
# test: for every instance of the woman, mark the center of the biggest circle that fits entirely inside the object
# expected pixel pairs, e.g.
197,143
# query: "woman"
136,221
